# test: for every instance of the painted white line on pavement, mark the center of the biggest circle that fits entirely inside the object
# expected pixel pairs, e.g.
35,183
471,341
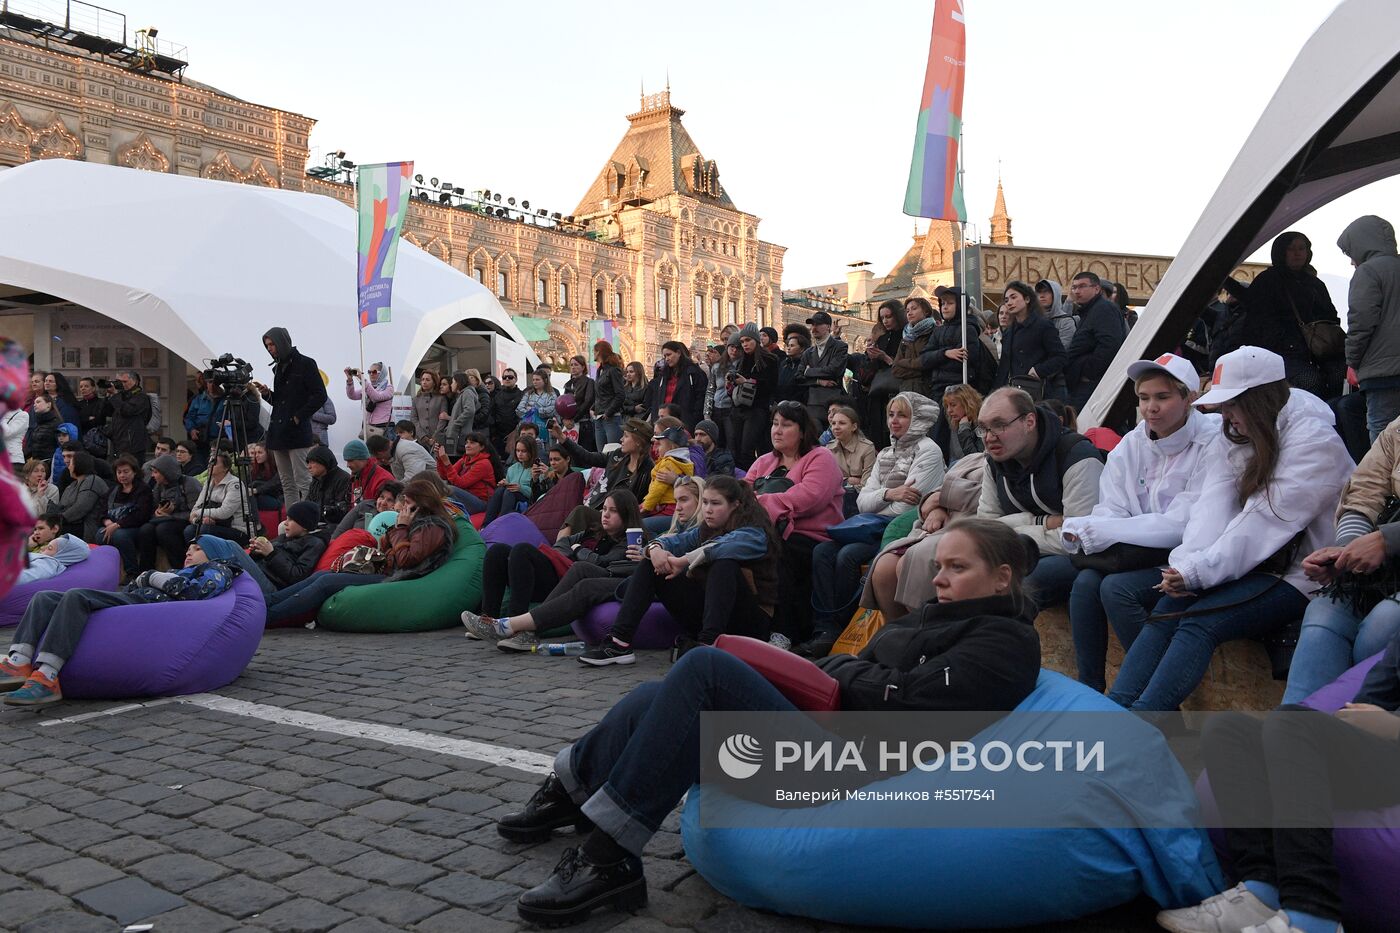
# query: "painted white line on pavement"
111,711
520,759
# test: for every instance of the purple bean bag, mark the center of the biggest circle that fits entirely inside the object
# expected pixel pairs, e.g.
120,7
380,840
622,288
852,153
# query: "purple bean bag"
167,649
1366,843
101,571
512,528
658,629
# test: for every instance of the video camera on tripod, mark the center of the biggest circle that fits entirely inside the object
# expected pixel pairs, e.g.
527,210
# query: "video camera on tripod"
230,373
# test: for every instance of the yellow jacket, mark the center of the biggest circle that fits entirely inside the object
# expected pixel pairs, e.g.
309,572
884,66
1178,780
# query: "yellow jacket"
658,493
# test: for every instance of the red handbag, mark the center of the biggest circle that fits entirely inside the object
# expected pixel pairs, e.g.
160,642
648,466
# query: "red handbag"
805,685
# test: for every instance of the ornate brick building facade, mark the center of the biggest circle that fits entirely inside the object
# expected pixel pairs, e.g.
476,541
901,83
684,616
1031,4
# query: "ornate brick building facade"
656,245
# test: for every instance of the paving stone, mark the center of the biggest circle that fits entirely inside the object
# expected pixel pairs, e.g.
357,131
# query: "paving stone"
224,816
479,861
400,908
463,802
206,841
412,790
353,828
323,849
108,810
34,855
303,915
385,811
269,831
735,919
455,920
239,897
216,789
68,921
18,906
154,826
76,834
142,794
323,884
335,794
365,925
264,863
466,891
128,900
410,845
360,776
260,801
179,871
27,816
126,851
389,869
194,918
415,768
74,875
443,823
305,811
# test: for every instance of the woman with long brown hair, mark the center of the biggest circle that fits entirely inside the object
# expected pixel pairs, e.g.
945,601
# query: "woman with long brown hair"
418,543
607,400
1238,572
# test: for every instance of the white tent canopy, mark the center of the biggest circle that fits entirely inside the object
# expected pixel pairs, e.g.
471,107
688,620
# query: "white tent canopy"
1332,126
206,267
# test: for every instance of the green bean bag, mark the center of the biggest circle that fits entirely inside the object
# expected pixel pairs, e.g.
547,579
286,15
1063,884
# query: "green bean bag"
899,528
419,605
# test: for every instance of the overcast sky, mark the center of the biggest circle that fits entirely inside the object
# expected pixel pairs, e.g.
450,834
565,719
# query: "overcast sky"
1111,123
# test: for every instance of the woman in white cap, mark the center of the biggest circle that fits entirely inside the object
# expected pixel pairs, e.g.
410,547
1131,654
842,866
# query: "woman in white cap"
1238,572
1152,479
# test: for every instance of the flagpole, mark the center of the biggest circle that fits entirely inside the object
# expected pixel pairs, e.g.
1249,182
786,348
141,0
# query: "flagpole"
962,253
360,329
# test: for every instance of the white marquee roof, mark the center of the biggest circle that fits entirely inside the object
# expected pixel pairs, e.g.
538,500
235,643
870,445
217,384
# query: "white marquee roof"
206,267
1332,126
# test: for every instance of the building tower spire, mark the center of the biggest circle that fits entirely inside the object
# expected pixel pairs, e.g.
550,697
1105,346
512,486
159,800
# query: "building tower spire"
1001,221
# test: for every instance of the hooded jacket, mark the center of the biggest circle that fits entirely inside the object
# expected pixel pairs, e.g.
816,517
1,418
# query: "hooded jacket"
82,506
331,492
1149,487
913,460
297,393
1100,333
950,335
381,393
1058,480
1373,300
408,458
292,559
1225,540
221,501
178,492
57,469
71,550
1277,299
126,431
1059,314
661,494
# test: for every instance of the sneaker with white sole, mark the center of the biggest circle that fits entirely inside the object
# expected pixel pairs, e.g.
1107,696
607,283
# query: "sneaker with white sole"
1278,923
520,641
481,627
1228,912
780,641
609,652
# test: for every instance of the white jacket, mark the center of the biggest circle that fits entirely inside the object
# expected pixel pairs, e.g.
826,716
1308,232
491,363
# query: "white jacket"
1224,541
1149,486
15,424
923,456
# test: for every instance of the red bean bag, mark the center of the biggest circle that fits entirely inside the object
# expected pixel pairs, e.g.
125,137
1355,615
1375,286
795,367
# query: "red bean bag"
355,537
101,571
657,629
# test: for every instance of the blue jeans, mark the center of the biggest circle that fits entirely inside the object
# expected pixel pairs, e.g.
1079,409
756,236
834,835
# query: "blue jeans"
466,500
629,771
836,583
124,540
308,595
1096,601
1050,582
656,525
1382,407
1171,655
1333,639
254,570
607,430
502,501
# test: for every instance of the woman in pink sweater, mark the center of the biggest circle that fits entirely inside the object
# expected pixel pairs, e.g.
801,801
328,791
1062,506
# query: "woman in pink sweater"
802,511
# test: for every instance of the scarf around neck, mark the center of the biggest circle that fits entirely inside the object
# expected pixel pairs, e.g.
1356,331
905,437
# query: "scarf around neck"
913,332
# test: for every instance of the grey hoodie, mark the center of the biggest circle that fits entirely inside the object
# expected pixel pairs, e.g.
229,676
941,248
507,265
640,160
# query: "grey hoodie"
1373,318
179,490
71,550
1060,313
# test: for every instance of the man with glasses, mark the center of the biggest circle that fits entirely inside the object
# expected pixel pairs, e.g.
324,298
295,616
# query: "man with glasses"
1038,473
1100,333
503,402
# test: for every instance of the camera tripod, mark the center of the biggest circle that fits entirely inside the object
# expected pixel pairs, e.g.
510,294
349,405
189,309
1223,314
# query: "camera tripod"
235,417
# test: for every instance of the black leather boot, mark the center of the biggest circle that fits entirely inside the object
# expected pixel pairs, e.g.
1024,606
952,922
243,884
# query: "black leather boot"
577,887
549,809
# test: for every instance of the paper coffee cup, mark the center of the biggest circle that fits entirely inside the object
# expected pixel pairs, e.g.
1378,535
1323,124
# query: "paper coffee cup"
634,537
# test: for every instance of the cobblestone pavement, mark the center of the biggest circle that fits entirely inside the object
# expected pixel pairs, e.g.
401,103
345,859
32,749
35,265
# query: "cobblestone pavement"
200,819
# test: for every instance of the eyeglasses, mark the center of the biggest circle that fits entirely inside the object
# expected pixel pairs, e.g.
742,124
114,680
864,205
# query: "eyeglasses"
1081,286
996,427
509,377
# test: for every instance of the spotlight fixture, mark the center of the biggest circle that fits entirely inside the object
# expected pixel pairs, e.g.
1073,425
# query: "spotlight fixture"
418,178
510,201
525,205
346,163
496,198
433,182
445,197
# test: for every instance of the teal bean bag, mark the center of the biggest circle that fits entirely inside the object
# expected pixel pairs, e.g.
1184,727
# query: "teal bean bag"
805,863
420,605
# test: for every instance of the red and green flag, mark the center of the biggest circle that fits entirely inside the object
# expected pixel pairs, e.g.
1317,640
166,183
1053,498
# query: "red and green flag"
383,206
934,190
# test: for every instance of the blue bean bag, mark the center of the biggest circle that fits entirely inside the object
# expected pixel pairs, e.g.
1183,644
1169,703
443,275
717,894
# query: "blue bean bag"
167,649
512,528
1366,844
656,630
101,571
978,877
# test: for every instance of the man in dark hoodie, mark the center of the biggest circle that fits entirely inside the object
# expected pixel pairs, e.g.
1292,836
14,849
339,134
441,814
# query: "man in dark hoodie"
1100,333
1373,317
297,393
330,485
175,495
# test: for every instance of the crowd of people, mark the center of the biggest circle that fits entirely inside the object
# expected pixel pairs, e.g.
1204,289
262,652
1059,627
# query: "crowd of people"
936,477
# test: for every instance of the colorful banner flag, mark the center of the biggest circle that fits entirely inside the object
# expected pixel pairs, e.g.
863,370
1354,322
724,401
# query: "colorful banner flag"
935,190
383,203
600,330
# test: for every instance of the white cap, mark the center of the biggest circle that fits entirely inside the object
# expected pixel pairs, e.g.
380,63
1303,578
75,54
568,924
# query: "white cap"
1245,368
1179,369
